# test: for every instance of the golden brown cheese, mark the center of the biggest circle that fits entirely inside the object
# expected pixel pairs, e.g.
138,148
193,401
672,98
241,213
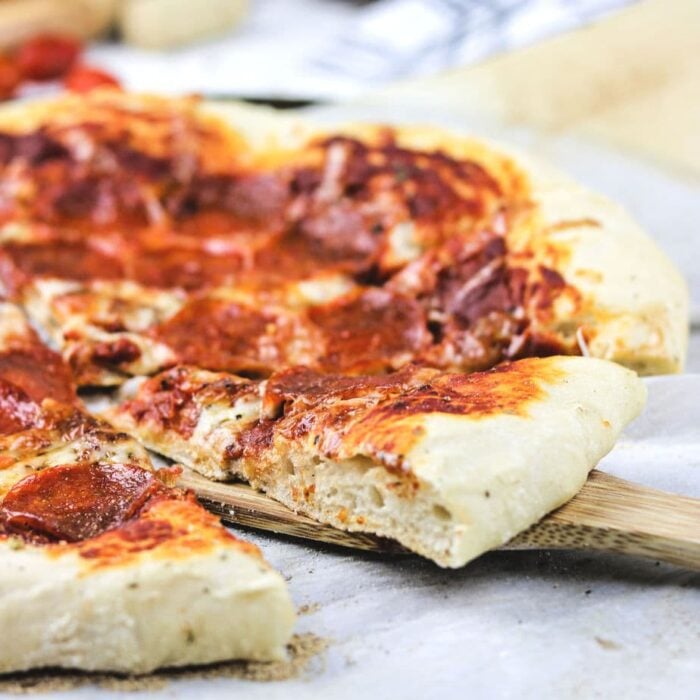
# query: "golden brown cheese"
340,417
173,400
336,416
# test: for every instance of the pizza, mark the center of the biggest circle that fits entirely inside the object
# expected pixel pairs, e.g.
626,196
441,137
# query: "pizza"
396,330
104,564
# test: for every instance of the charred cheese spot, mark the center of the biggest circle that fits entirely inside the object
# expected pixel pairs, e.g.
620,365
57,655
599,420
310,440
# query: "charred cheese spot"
341,417
507,389
390,430
120,545
255,440
300,388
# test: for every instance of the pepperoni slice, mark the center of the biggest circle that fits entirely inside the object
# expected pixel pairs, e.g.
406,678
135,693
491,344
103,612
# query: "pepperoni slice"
189,268
474,279
140,164
73,502
253,198
73,260
35,148
221,335
256,197
39,373
340,232
304,388
373,332
17,410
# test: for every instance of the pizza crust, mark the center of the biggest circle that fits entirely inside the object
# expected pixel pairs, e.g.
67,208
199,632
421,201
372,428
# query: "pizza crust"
156,610
636,303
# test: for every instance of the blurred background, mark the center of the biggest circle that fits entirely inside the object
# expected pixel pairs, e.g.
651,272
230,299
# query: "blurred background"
327,49
622,72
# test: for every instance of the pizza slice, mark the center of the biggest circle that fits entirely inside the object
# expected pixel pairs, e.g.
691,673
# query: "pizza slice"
106,566
450,465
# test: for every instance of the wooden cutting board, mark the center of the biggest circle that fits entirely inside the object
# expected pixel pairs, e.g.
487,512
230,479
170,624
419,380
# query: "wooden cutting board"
608,514
84,19
637,84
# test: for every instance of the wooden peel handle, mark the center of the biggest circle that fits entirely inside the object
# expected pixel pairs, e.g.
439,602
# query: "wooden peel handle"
615,515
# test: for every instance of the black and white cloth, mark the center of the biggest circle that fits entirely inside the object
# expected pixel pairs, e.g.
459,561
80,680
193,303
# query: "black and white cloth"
330,49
